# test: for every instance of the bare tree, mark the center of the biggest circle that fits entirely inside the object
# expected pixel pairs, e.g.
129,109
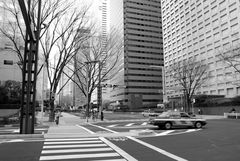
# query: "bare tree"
94,62
66,34
14,29
191,75
231,57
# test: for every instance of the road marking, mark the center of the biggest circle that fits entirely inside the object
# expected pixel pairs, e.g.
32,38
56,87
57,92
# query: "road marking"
112,125
117,149
76,150
130,124
143,124
73,146
72,142
73,139
103,128
78,156
165,133
170,155
91,132
112,160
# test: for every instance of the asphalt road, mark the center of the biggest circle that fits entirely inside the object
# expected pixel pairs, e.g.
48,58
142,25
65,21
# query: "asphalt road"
218,141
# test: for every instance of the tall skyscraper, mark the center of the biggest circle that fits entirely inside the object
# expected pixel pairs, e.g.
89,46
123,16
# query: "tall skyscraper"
139,70
202,29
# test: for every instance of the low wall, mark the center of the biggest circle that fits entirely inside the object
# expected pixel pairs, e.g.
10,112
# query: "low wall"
216,110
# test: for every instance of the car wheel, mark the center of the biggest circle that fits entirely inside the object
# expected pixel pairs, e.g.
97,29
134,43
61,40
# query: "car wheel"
198,125
168,125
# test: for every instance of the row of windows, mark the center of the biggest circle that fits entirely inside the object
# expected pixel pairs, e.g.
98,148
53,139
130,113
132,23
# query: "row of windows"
144,75
145,81
145,35
143,19
144,69
141,63
143,30
148,15
146,25
146,10
144,4
145,58
145,87
142,46
145,41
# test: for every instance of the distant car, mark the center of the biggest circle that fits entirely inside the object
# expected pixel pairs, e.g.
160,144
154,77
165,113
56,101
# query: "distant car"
151,113
171,119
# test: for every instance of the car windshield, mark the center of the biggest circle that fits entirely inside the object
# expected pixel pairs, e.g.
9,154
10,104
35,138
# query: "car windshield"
164,114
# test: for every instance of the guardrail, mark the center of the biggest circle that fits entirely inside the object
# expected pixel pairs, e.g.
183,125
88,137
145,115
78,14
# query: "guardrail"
232,115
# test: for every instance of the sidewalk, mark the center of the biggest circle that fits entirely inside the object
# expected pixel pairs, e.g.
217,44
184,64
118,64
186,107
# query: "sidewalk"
66,128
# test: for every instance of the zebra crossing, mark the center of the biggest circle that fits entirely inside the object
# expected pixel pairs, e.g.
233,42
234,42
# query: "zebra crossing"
128,125
95,148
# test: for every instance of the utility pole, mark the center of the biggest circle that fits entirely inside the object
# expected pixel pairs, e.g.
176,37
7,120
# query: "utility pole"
30,64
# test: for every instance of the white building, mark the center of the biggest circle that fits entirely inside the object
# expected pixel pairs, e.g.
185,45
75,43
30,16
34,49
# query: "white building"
202,29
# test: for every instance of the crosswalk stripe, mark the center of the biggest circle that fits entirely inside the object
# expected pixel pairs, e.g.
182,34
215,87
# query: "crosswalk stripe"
71,142
73,139
73,146
129,124
112,125
145,123
111,160
76,150
78,156
165,132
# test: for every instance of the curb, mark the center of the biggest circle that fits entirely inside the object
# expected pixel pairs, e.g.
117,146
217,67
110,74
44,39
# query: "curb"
21,136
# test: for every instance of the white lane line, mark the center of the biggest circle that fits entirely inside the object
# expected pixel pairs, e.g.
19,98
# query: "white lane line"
103,128
170,155
72,139
111,160
130,124
72,142
76,150
165,133
73,146
112,125
193,130
78,156
117,149
91,132
143,124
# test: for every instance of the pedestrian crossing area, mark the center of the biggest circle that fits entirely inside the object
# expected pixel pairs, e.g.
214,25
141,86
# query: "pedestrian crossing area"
128,125
84,149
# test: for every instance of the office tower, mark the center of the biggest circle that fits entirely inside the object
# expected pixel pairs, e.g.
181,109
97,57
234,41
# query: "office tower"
139,70
201,29
7,23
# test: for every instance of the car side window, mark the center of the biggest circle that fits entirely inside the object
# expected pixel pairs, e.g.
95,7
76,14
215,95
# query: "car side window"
184,115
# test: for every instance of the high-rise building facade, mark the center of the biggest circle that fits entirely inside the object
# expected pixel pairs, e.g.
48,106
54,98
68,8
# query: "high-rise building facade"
7,24
202,29
139,69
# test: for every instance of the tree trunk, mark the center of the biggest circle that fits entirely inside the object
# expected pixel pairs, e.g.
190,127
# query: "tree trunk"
51,114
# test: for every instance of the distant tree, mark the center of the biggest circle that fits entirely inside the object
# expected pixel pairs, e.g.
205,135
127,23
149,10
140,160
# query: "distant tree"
231,57
99,55
191,75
